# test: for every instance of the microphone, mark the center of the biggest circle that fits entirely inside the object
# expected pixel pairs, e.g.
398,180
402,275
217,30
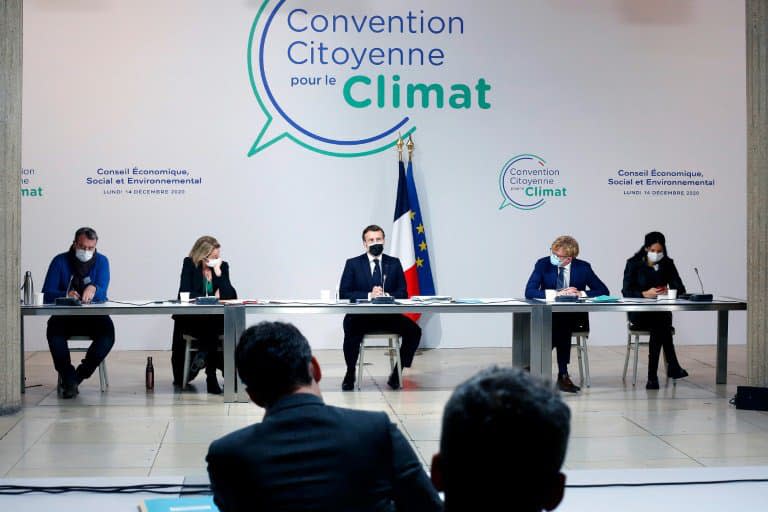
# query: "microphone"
701,285
67,300
700,297
383,299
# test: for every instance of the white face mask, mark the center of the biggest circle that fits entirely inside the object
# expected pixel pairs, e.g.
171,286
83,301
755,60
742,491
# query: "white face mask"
83,255
655,257
213,263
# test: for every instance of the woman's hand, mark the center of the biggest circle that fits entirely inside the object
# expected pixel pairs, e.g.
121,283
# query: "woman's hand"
651,293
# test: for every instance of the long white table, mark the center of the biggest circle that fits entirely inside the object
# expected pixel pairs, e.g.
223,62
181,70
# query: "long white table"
720,304
531,322
629,490
529,330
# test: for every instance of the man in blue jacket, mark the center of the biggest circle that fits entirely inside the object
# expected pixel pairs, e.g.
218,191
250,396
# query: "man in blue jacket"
374,274
561,271
83,274
304,454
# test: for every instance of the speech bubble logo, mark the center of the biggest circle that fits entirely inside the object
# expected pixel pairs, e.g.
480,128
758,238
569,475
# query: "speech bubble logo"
525,180
306,109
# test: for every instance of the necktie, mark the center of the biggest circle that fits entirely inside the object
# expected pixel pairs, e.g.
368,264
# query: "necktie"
560,278
376,272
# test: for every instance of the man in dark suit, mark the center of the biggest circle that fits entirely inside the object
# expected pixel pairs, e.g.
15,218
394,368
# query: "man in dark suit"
502,418
374,274
306,455
561,271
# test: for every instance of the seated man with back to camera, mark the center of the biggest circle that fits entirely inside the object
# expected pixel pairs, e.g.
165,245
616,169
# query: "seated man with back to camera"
304,454
374,274
81,273
561,271
502,418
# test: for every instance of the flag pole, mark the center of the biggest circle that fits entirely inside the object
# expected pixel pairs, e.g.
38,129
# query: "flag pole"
410,145
399,146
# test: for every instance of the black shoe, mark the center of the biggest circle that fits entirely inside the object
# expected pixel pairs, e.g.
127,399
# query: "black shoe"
565,384
198,363
653,383
212,383
677,373
69,390
394,380
348,384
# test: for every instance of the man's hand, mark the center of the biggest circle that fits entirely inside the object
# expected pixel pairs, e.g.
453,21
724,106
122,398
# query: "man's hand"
569,291
73,294
88,294
377,291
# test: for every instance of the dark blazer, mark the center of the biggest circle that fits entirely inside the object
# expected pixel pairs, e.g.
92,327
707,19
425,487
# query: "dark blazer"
544,277
192,281
638,276
306,455
357,281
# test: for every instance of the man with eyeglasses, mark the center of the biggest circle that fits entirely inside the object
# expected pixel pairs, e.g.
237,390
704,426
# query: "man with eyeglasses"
563,272
81,273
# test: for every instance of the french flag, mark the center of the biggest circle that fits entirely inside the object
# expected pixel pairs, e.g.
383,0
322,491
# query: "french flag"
409,242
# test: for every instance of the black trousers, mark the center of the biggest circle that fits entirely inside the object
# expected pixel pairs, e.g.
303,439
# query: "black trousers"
207,329
356,326
563,326
60,328
660,326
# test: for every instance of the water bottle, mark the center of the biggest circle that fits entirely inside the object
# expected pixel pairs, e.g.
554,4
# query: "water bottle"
29,289
149,374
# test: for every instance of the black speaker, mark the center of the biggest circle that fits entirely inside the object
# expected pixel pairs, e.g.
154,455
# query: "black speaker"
751,398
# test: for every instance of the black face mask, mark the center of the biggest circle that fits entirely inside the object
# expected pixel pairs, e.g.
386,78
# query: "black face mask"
376,249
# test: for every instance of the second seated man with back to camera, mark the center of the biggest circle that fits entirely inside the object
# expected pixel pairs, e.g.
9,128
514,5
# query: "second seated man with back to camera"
561,271
375,274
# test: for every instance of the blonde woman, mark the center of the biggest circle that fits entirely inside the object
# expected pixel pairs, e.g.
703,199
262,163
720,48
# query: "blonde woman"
203,273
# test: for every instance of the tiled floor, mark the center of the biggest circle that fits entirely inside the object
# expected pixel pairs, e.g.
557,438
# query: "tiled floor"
130,432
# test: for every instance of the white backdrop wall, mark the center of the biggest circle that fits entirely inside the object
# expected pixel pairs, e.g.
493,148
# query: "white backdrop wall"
590,88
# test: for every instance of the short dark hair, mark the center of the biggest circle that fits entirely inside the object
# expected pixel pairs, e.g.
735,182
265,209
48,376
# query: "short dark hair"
373,227
273,360
502,428
89,233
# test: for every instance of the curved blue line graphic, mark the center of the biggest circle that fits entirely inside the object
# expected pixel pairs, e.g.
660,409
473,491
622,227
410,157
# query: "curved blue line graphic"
291,121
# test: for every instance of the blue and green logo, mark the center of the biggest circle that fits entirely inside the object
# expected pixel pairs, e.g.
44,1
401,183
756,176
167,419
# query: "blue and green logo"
339,82
526,182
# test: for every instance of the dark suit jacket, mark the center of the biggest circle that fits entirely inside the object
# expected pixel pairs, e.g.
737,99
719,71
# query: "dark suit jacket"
306,455
544,277
192,281
357,281
638,276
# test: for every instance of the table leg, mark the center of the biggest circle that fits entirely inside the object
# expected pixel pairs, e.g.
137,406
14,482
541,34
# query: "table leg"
234,325
541,342
721,374
521,339
21,361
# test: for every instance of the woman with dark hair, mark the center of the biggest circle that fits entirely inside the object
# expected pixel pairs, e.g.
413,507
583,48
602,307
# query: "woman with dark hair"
650,273
203,273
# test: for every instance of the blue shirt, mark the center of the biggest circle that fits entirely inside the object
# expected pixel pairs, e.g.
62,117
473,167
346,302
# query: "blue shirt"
59,276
